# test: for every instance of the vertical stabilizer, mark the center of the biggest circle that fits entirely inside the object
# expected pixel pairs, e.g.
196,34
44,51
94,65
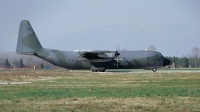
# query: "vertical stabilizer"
28,42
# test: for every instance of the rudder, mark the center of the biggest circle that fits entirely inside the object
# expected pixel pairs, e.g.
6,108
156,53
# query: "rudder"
28,42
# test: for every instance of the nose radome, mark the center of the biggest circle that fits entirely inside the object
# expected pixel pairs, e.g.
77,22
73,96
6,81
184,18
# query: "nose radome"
166,62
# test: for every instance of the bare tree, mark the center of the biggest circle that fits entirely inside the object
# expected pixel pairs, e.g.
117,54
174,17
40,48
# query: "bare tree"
195,55
151,48
30,62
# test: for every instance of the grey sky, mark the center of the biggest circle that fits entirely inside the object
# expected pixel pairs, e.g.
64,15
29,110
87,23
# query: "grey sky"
59,23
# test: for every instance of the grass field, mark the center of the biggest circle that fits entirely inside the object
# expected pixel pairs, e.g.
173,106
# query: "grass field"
52,90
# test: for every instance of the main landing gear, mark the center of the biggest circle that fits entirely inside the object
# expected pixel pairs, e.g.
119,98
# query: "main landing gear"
98,70
154,69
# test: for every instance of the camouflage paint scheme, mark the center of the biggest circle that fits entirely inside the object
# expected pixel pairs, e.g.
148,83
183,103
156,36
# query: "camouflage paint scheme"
28,44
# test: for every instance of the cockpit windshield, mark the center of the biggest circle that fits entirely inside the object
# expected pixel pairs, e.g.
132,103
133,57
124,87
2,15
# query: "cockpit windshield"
158,54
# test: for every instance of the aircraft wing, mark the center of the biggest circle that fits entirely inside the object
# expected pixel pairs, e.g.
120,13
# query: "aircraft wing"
93,55
98,56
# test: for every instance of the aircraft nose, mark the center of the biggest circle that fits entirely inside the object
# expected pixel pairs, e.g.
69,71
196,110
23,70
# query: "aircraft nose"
166,62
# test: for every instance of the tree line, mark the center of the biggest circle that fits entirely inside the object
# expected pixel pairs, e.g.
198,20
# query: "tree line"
184,62
13,60
191,61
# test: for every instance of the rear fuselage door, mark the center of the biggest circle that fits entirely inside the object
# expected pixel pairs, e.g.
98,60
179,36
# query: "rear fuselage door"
71,60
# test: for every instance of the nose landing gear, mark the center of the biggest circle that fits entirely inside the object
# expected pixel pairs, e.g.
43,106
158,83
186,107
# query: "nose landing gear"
154,69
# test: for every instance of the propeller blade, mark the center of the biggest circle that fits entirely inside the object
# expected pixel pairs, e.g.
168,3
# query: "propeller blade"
117,61
117,58
117,53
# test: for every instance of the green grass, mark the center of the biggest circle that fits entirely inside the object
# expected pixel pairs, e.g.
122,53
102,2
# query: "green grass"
86,91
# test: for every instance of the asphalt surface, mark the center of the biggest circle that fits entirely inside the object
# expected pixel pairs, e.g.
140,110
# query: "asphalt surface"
150,71
116,71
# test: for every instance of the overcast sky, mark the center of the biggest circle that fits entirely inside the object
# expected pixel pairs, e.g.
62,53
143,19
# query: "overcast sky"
54,20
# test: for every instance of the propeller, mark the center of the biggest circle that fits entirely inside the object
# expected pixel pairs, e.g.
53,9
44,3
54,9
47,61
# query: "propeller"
116,55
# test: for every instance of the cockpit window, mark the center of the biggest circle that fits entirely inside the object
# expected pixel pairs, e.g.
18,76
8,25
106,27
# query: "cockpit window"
158,54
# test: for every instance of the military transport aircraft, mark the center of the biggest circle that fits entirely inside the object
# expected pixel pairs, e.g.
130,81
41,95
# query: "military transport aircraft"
28,44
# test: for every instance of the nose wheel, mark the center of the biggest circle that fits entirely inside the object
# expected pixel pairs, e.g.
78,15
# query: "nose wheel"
154,69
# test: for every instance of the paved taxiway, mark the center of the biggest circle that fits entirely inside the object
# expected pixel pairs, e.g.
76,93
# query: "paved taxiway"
150,71
124,71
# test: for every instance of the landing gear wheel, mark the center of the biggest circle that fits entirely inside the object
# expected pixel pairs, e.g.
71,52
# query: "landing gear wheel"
154,69
94,70
101,70
98,70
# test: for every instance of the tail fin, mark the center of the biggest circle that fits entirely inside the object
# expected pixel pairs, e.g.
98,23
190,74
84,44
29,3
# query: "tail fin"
28,42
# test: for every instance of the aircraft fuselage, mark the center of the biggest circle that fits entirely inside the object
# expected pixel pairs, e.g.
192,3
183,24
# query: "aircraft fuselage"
126,59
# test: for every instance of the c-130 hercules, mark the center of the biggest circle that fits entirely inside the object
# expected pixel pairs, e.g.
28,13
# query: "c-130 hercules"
28,44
